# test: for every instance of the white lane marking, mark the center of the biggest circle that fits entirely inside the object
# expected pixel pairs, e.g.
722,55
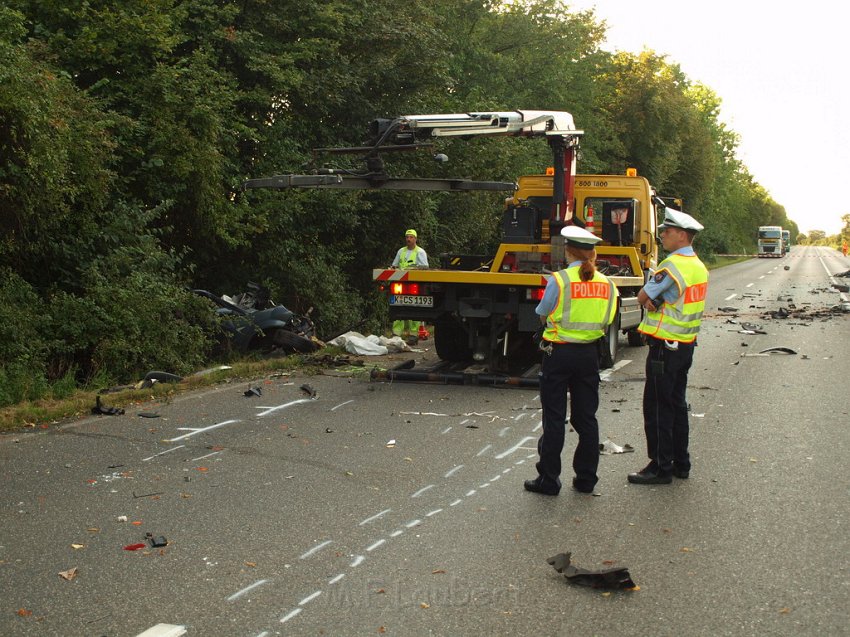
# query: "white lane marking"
484,450
537,427
270,410
413,523
455,503
214,453
162,453
504,431
422,490
446,430
730,297
606,374
748,285
342,404
309,598
239,594
374,517
453,471
318,547
375,545
290,615
194,432
505,454
471,492
336,578
358,560
397,532
434,512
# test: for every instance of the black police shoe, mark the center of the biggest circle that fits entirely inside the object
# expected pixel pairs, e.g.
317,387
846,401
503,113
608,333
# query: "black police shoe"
582,487
682,474
647,476
537,486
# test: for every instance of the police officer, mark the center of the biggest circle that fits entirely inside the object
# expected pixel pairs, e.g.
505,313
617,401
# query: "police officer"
409,256
577,307
674,299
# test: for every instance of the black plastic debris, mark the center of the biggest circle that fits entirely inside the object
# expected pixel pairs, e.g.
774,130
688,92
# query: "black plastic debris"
253,391
148,414
777,350
846,273
309,390
615,577
841,287
405,365
156,540
787,267
103,410
751,328
727,309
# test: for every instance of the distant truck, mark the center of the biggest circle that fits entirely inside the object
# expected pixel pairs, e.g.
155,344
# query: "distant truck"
786,241
770,241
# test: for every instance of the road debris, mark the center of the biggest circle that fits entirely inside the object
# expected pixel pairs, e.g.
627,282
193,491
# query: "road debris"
390,444
156,541
253,391
148,414
135,547
608,447
308,390
614,577
70,574
102,410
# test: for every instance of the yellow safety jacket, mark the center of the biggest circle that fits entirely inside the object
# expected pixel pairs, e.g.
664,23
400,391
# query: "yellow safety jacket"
584,310
407,258
679,321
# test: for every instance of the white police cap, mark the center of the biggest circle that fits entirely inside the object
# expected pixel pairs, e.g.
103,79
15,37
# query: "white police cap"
579,237
678,219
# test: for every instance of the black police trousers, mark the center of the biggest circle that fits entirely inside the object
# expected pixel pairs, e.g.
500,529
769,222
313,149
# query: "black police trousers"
665,408
573,367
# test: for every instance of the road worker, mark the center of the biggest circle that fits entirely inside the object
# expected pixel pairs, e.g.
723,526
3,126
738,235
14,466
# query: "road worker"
409,256
674,299
578,305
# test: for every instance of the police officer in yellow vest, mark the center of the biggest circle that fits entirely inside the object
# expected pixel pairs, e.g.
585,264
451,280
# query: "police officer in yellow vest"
409,256
674,299
577,307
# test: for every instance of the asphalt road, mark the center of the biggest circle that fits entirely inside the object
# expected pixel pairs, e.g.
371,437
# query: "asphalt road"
377,508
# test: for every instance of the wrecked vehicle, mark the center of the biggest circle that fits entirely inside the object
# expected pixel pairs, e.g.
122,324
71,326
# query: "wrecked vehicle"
253,322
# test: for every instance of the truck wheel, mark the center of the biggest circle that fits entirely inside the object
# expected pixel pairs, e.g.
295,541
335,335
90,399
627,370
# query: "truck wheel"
290,341
635,338
451,341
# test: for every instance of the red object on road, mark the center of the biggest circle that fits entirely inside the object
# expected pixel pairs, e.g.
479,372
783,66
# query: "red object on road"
134,547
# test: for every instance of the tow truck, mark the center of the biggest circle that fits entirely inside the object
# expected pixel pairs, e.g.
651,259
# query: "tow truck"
482,306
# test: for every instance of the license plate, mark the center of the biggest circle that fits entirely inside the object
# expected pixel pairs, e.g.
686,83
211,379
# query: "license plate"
411,299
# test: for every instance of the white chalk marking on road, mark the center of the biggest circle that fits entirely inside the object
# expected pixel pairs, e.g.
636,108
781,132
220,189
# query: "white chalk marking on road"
446,430
505,454
309,598
453,471
537,427
508,470
263,634
495,478
397,532
163,453
531,455
464,421
413,523
342,404
455,503
318,547
269,410
290,615
214,453
606,375
336,578
374,517
484,450
375,545
504,431
164,630
358,560
434,512
748,285
239,594
762,276
484,486
730,297
520,461
471,492
194,432
422,490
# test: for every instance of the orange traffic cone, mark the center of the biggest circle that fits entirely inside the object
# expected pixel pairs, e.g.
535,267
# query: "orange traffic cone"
423,333
588,222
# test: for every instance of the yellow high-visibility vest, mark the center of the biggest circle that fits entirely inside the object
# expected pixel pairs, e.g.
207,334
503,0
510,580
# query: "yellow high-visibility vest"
407,258
584,310
679,321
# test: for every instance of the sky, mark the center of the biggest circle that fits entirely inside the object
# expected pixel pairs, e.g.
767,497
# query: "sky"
782,71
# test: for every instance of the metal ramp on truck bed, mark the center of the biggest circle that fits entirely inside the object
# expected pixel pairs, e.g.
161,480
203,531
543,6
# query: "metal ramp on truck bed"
466,373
